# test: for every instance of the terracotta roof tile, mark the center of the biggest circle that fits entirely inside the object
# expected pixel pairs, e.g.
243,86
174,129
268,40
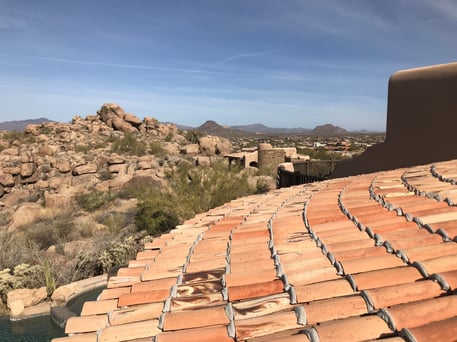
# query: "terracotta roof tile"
360,328
144,297
415,314
255,290
85,324
205,334
88,337
338,260
129,331
136,313
323,290
386,277
265,325
98,307
202,317
261,306
196,302
113,293
334,308
444,330
384,297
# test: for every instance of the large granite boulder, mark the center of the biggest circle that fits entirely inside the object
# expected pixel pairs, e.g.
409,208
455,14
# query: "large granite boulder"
212,145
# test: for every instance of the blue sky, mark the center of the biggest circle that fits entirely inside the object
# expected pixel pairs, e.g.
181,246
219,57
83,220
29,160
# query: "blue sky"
284,63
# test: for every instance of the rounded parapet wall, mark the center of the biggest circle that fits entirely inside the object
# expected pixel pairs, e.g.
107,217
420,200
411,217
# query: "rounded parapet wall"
421,121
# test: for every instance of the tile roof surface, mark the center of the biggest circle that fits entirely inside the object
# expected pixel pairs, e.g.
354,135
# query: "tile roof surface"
369,257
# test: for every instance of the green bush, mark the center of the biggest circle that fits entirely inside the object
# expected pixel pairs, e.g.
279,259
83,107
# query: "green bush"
156,215
128,144
95,200
193,136
117,254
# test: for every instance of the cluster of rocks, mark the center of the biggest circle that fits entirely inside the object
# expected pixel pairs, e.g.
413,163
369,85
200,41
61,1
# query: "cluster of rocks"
58,161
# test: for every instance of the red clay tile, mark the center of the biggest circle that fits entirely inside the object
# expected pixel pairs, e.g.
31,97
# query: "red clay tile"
124,281
261,306
250,277
206,334
334,308
265,325
444,330
255,290
113,293
129,331
203,288
430,251
302,265
88,337
98,307
196,277
313,276
366,264
347,245
359,253
85,324
386,277
384,297
323,290
159,284
145,297
198,318
136,313
206,265
450,277
196,302
147,254
416,241
422,312
130,271
440,264
251,265
141,263
353,329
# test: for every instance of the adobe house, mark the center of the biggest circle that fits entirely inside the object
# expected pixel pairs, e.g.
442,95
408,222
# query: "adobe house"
421,122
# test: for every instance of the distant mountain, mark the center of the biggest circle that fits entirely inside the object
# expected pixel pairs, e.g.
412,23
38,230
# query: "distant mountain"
260,128
19,125
328,129
213,128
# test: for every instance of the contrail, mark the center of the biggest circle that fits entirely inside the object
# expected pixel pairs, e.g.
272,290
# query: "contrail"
127,66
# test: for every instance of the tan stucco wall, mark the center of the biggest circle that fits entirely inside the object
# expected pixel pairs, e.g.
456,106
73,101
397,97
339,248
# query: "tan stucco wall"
421,122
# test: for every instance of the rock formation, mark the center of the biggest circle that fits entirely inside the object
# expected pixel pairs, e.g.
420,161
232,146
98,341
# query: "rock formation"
55,162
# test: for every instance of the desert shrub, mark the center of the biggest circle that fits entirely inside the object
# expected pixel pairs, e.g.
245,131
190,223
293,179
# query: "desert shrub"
200,189
156,215
82,148
139,187
128,144
193,136
118,253
114,221
94,200
262,186
105,174
22,276
14,135
157,149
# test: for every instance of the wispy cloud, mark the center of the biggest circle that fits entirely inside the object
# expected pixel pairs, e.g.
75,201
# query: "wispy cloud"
241,56
126,66
444,7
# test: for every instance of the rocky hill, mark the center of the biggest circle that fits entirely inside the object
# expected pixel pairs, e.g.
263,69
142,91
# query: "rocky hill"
213,128
328,130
